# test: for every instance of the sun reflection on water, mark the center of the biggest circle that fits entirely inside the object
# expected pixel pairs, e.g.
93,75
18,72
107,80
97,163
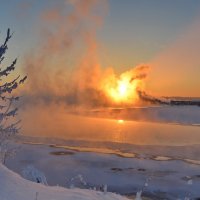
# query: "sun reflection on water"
120,121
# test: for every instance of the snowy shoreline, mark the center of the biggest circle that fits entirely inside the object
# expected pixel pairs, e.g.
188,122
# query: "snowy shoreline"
14,187
124,175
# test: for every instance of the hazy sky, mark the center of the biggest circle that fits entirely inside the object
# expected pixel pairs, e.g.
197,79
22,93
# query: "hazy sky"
164,34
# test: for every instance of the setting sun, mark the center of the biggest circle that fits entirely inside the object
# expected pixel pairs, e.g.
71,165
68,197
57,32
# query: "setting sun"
122,89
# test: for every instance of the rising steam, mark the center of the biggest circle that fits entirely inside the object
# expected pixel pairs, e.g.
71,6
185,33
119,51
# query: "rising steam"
65,66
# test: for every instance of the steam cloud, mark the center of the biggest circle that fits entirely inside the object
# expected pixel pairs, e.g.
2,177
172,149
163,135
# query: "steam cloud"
65,66
67,29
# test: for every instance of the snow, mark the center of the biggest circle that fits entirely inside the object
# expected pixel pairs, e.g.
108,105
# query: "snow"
125,176
138,195
14,187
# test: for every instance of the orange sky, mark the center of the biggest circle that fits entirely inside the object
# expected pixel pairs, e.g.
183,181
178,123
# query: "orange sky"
176,70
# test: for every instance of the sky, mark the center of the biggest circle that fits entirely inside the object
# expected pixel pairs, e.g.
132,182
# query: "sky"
161,34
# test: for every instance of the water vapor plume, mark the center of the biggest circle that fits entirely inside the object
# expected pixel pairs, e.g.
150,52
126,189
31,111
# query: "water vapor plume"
66,60
65,67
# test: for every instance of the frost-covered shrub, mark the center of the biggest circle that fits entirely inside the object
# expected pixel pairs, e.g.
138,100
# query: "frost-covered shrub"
138,195
77,180
8,110
33,174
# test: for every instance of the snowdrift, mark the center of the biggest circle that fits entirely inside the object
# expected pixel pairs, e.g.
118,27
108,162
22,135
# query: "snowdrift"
14,187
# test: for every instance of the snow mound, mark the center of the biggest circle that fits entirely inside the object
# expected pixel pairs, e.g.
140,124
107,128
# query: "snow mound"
14,187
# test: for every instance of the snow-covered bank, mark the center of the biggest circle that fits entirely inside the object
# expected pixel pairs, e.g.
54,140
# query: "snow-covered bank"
123,175
14,187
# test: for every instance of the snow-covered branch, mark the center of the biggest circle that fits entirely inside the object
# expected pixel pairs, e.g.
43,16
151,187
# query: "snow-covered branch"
8,110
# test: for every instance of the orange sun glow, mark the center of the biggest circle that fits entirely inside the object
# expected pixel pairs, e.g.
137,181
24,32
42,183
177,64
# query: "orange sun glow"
122,90
120,121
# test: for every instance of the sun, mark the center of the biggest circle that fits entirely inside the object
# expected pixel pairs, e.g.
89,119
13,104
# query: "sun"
122,88
123,91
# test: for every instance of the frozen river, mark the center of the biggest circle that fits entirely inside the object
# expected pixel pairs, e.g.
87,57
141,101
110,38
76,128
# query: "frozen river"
116,150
